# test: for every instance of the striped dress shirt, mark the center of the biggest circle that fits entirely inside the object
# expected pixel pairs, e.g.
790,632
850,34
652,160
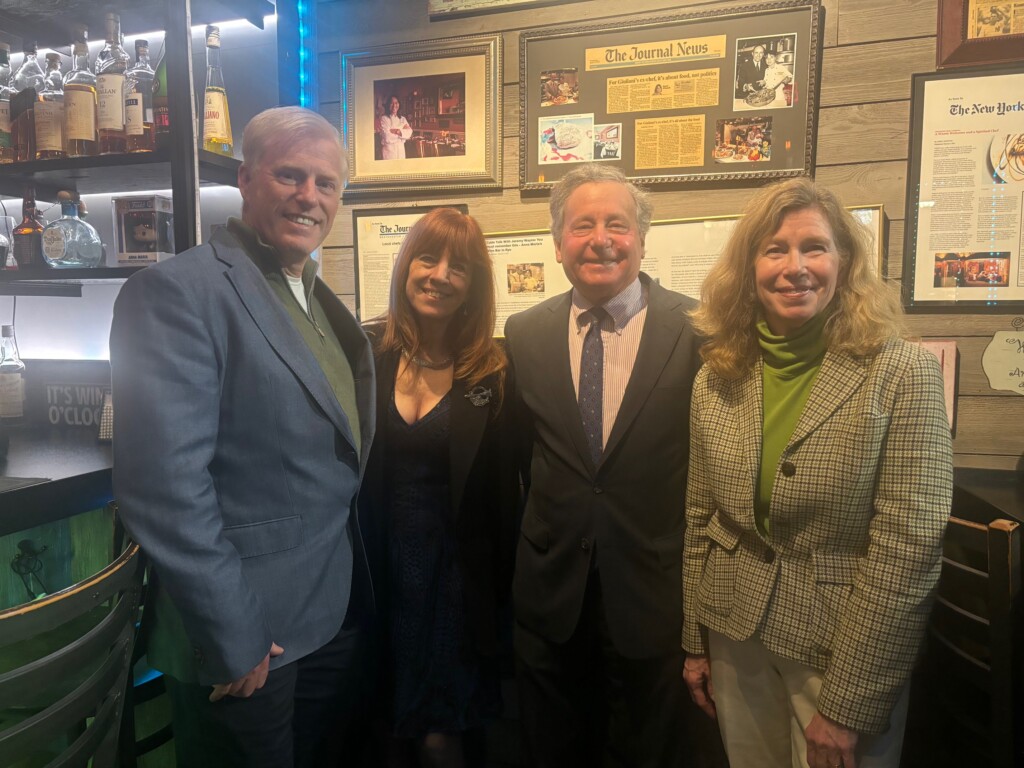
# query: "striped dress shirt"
620,334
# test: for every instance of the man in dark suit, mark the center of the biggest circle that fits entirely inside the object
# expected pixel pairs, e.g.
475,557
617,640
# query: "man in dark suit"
245,410
750,74
598,567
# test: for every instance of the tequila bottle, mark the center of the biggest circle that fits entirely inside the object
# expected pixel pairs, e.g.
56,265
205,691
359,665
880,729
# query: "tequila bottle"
111,64
80,102
28,82
216,119
28,236
12,385
69,241
138,102
50,113
6,150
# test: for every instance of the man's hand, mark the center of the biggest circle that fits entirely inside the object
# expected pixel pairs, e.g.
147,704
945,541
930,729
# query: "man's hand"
697,674
829,744
252,681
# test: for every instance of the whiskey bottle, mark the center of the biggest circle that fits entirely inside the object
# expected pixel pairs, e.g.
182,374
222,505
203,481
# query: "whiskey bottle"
50,113
161,113
80,102
12,385
216,119
69,241
28,236
138,102
6,150
111,64
28,82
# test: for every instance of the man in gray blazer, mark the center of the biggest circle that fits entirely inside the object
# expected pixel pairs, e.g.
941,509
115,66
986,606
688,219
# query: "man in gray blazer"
597,586
245,404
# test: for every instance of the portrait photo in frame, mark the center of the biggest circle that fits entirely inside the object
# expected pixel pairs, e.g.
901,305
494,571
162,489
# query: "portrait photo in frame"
979,32
423,116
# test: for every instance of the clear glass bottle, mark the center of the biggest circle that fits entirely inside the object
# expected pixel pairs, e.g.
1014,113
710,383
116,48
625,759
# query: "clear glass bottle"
138,102
12,384
111,64
216,118
161,112
28,82
6,150
28,236
80,101
50,113
69,241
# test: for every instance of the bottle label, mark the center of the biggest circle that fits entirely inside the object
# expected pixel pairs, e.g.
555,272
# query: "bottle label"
49,126
134,115
80,115
12,396
54,244
27,249
215,116
5,123
110,109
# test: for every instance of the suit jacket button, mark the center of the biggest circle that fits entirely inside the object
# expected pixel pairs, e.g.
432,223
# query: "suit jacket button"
769,556
788,468
585,545
598,489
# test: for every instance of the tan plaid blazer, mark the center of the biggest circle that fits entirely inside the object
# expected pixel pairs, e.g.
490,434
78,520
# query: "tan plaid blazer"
861,497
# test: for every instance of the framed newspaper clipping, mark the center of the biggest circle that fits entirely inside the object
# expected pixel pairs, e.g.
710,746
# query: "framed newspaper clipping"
700,97
979,32
965,192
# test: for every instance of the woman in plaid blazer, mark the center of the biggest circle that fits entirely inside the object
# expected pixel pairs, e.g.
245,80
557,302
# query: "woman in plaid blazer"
820,484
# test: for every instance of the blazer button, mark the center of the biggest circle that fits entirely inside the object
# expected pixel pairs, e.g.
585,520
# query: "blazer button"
788,468
769,556
598,489
585,545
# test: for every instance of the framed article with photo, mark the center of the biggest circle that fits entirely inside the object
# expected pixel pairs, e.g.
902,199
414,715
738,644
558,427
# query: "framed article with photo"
979,32
711,96
423,116
965,192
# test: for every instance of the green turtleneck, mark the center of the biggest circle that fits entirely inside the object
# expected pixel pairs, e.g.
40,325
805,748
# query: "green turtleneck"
791,364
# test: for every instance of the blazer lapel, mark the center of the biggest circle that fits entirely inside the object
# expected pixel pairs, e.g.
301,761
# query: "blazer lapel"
467,430
840,376
748,395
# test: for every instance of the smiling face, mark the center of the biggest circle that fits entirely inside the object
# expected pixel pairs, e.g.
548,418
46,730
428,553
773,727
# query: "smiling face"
437,286
394,105
769,60
291,196
796,271
601,246
758,53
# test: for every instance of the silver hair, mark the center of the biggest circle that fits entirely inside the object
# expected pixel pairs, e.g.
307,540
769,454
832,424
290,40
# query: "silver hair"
291,124
596,173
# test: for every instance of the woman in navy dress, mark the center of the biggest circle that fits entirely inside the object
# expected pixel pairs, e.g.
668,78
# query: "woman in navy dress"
441,489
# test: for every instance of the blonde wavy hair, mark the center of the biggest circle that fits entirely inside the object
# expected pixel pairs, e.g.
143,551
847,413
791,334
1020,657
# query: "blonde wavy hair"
864,312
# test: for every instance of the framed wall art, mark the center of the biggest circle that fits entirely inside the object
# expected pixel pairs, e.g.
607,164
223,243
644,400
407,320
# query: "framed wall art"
423,116
711,96
965,192
979,32
377,235
446,9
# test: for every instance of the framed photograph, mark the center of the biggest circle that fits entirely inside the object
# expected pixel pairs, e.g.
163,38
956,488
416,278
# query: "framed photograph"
962,249
423,116
979,32
700,97
377,235
446,9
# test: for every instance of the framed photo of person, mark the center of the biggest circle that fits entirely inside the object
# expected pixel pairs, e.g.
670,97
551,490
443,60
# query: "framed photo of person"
979,32
699,97
423,116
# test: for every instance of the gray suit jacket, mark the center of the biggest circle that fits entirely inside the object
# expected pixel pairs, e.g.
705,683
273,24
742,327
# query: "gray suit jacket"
861,497
627,512
234,465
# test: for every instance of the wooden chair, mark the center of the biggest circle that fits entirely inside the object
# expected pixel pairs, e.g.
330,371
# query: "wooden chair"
66,662
967,705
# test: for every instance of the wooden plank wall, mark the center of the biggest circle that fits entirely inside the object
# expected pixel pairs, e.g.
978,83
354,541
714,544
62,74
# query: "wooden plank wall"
871,49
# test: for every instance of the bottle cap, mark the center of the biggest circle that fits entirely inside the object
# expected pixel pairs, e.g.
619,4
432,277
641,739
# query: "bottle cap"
29,47
212,36
7,332
53,57
5,47
141,44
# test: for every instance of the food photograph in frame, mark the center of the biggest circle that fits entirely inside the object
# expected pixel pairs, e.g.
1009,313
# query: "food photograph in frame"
965,192
423,116
972,32
673,99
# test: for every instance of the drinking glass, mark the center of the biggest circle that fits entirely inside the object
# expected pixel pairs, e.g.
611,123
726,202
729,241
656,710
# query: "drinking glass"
6,256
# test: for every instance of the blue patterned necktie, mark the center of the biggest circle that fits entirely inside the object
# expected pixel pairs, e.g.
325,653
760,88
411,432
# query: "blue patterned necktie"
591,395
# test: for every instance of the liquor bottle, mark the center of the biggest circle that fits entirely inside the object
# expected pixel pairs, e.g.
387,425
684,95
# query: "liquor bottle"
111,64
80,102
69,241
28,236
161,112
216,119
138,102
28,82
6,150
50,113
12,384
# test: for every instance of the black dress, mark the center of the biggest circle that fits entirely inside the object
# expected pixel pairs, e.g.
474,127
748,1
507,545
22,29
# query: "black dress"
439,683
